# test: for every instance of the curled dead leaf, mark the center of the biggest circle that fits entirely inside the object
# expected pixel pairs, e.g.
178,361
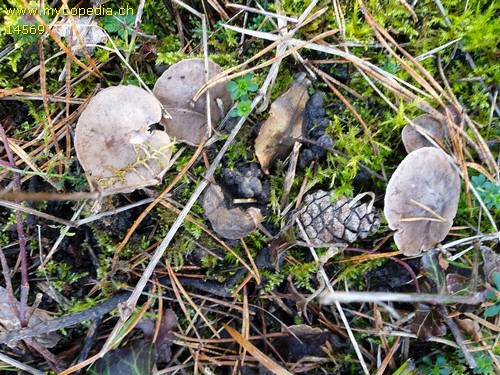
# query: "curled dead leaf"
305,341
284,126
491,263
9,321
90,33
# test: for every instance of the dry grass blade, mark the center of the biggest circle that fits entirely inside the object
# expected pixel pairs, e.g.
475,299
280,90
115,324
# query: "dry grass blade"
362,297
58,41
178,290
256,353
389,357
278,41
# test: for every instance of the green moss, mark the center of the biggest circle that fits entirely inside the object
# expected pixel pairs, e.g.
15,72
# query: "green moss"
60,275
354,274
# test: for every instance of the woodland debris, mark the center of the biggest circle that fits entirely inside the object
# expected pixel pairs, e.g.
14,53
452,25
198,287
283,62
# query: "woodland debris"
89,30
303,341
491,263
9,321
341,221
284,126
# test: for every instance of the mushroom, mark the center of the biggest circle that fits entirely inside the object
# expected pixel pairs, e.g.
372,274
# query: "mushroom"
421,200
114,144
176,88
228,221
413,139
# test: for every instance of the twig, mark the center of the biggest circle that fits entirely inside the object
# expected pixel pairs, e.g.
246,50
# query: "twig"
65,321
263,12
457,335
20,234
348,297
19,365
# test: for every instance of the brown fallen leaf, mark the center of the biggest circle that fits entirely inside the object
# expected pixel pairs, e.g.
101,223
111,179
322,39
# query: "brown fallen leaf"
90,33
491,263
284,126
10,322
166,336
228,221
302,341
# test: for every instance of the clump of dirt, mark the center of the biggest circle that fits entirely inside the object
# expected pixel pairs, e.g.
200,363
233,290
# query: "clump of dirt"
315,125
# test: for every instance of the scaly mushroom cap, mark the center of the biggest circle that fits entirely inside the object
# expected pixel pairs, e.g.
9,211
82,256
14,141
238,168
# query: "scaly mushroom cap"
413,139
113,142
176,88
421,200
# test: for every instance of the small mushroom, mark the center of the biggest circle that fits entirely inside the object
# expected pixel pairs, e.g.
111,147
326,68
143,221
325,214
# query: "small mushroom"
114,144
228,221
413,139
421,200
176,88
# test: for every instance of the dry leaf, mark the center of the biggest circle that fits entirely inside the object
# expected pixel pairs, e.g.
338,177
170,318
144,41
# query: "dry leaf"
491,263
284,126
427,323
470,327
305,341
228,221
10,322
166,336
89,30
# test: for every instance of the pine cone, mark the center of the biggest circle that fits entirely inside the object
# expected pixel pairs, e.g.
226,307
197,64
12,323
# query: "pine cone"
328,222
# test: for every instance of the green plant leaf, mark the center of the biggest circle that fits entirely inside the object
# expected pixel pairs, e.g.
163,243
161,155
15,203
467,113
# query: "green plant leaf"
136,359
252,87
496,279
117,24
231,86
244,107
432,269
492,311
235,95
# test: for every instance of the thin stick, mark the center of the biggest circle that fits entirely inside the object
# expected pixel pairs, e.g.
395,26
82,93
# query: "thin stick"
19,365
20,233
349,297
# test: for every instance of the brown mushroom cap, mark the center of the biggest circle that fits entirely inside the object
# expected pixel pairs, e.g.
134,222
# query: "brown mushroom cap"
228,221
176,88
113,142
413,139
425,178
